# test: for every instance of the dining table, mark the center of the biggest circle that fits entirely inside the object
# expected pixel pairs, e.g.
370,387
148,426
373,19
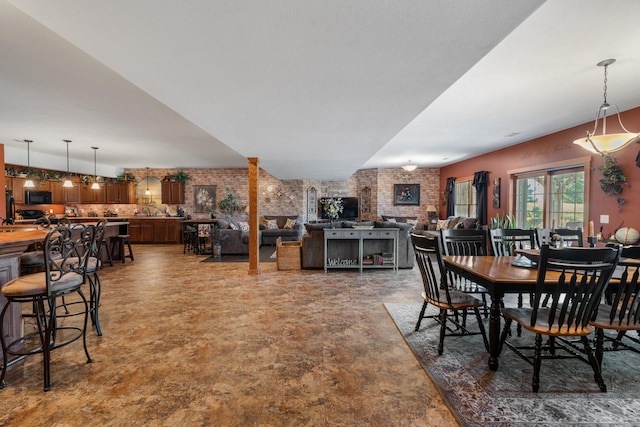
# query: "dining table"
499,275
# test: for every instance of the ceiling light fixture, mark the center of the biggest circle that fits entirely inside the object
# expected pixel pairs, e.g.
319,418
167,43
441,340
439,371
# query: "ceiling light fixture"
148,192
606,143
29,182
95,185
409,167
67,182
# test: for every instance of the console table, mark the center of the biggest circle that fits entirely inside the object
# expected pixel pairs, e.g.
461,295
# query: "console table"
361,248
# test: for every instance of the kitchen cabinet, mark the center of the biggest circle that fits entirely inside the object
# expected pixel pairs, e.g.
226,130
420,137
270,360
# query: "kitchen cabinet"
172,193
57,192
120,192
154,230
89,195
72,194
140,231
17,186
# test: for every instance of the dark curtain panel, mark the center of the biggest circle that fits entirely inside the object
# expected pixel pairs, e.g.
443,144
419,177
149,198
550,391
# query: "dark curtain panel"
480,181
451,197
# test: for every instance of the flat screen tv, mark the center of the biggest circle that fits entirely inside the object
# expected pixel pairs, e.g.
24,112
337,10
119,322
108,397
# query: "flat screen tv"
349,208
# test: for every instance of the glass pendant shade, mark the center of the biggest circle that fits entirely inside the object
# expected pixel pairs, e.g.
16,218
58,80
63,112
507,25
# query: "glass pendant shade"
147,192
608,143
29,184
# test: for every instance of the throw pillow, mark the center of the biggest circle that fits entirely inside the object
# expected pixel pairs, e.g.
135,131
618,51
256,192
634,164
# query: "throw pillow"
391,220
290,224
233,226
244,226
413,222
272,224
442,223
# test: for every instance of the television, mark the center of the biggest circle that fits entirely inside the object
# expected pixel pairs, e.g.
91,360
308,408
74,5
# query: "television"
349,208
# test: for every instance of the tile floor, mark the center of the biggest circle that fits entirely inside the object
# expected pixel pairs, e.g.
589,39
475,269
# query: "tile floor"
198,344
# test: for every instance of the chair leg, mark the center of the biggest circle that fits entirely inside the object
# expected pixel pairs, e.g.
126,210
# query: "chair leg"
599,346
94,300
597,374
506,331
537,361
424,308
443,330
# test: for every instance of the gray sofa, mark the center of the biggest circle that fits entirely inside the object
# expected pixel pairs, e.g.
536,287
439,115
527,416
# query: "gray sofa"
269,236
313,242
233,240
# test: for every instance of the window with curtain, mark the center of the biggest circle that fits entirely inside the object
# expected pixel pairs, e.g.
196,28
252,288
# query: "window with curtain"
553,196
465,198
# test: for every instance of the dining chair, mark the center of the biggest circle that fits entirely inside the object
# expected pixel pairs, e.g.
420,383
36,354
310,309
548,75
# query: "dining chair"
465,242
570,237
66,251
621,314
506,241
582,274
451,304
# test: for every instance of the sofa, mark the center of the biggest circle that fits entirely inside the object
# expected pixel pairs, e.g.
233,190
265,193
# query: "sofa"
234,236
313,242
287,227
460,222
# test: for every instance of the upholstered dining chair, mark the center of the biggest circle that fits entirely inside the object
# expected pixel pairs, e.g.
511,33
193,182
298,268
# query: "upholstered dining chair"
66,251
582,274
451,304
622,313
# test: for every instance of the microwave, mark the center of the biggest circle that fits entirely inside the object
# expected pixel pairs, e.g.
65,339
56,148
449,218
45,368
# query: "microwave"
37,197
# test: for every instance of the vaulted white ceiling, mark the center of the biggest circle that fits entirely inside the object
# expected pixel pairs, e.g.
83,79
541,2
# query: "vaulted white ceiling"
316,89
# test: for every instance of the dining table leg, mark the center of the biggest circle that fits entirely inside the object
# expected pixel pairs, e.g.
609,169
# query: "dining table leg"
494,330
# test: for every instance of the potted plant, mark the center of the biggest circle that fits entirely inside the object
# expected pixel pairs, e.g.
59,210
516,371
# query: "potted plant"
230,204
332,208
181,176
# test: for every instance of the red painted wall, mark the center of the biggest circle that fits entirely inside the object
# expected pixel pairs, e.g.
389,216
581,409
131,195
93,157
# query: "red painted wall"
557,147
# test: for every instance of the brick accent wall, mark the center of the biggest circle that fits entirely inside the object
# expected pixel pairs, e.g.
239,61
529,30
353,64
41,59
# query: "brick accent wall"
290,197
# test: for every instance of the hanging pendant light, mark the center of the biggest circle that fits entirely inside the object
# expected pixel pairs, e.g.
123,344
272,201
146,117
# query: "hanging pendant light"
148,192
29,182
67,182
607,143
95,185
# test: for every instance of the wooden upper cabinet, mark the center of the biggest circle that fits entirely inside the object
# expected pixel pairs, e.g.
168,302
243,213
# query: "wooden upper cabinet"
57,194
172,193
120,192
72,194
89,195
17,186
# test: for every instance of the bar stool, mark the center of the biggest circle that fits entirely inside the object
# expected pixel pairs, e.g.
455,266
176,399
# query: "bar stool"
104,251
66,252
117,247
189,237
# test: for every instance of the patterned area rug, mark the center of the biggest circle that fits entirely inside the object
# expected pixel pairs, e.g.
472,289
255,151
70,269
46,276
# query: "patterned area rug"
479,397
267,254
